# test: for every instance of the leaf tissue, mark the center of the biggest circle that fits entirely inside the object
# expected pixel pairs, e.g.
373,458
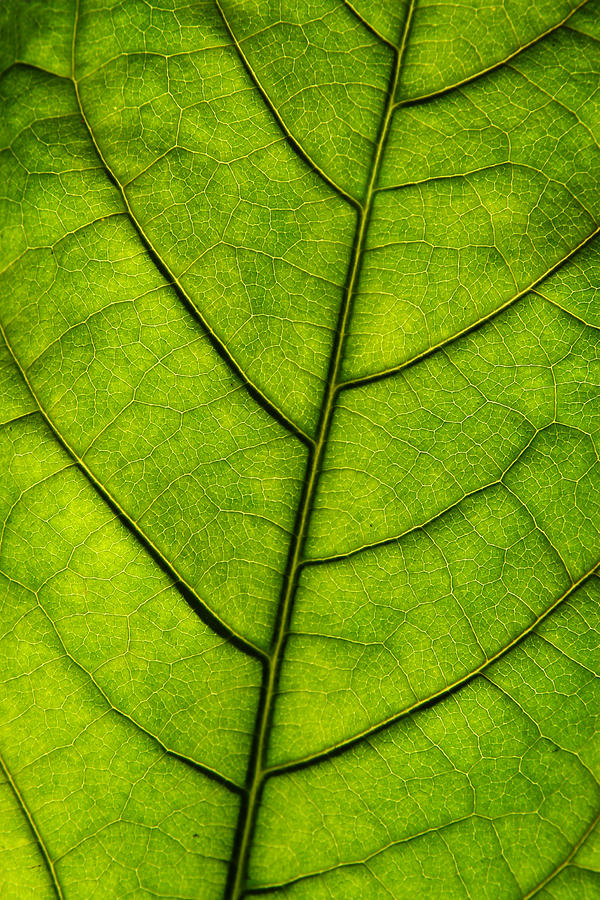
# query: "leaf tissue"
299,456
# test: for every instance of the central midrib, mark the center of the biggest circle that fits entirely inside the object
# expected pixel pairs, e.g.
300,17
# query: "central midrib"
258,769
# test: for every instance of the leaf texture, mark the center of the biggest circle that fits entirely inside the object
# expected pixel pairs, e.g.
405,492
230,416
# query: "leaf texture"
299,494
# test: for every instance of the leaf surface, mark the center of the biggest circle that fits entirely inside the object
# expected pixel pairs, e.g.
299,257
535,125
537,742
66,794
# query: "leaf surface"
300,449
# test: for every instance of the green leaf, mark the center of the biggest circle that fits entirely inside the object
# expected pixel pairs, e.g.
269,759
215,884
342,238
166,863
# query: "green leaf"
300,478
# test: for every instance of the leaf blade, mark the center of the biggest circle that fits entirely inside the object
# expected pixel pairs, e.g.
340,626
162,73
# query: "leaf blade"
434,492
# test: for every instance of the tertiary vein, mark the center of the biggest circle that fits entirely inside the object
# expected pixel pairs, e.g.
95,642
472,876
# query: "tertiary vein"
437,696
258,768
496,65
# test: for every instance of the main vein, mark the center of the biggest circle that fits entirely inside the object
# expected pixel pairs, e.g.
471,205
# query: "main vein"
258,769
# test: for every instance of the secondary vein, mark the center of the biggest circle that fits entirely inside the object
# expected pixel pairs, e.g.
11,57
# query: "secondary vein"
190,595
566,861
258,768
32,824
215,341
294,144
362,380
412,101
429,701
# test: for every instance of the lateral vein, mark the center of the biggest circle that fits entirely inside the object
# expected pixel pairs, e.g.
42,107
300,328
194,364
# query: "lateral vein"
368,25
188,592
566,861
424,354
33,825
434,698
162,266
296,147
193,764
459,84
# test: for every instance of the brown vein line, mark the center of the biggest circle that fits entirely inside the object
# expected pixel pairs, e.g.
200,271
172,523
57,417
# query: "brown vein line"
432,699
540,37
258,769
217,344
218,625
291,140
566,861
468,329
32,824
